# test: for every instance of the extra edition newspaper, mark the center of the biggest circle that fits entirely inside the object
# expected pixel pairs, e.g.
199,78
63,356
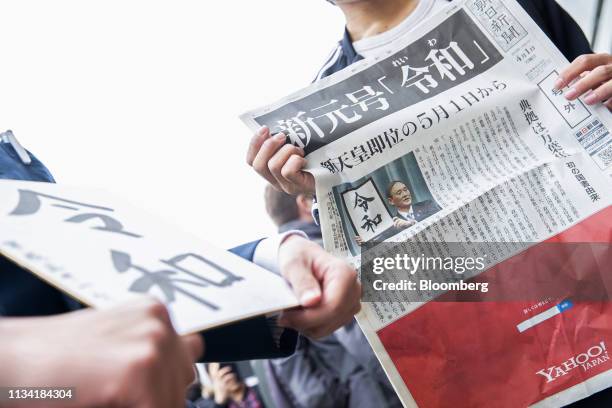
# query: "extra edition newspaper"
453,140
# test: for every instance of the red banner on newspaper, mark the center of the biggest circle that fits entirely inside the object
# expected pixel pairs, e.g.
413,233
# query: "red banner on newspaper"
507,354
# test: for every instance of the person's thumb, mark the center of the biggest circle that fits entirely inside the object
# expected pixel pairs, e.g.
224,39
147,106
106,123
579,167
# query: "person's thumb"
305,286
194,344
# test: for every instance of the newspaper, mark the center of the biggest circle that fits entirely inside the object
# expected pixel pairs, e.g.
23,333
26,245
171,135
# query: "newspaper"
461,120
102,251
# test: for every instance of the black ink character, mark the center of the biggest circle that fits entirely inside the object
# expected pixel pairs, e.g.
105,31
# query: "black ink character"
369,223
30,203
167,282
362,202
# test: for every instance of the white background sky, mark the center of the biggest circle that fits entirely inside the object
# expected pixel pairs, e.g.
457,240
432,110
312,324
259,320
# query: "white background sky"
142,97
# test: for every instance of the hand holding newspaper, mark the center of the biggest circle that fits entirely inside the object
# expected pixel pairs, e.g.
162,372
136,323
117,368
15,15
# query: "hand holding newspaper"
456,134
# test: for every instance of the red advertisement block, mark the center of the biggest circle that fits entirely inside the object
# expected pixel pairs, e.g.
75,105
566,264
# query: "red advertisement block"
505,354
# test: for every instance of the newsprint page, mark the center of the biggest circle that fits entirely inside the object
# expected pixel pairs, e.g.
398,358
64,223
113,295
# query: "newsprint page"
453,146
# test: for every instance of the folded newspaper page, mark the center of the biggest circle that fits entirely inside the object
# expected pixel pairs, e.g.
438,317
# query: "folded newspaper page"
101,250
453,145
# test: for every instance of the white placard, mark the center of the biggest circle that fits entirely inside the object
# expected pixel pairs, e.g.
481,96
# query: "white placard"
102,251
367,211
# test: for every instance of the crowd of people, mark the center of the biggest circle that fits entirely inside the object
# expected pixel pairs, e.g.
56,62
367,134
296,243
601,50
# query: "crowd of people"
312,356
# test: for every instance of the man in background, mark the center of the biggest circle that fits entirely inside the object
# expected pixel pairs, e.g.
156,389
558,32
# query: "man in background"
292,213
339,370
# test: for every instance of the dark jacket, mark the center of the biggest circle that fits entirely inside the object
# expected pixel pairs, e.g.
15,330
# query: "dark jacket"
422,210
23,294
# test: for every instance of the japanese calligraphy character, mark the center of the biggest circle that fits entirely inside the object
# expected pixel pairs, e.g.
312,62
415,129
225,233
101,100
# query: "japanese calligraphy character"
299,129
446,63
336,114
531,117
343,162
440,112
366,96
362,202
359,154
480,5
498,24
330,166
470,98
538,128
110,224
421,78
484,92
163,280
30,203
503,19
210,272
370,223
500,86
525,105
557,149
546,138
376,145
510,34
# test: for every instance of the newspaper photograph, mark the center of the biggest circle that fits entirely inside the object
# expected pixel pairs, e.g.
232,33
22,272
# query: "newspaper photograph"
456,134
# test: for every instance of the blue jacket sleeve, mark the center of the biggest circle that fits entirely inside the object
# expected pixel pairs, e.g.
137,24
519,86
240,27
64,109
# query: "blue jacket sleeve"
246,251
249,339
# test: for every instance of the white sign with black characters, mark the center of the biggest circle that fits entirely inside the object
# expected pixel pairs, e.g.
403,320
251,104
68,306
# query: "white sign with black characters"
102,251
367,211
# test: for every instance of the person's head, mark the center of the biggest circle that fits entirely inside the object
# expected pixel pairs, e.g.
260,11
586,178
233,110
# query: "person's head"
284,208
399,196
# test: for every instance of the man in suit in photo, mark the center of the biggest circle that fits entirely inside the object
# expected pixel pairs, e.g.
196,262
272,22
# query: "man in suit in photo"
407,212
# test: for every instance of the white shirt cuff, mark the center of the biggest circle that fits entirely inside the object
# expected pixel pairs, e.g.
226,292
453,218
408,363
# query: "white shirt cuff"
266,253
